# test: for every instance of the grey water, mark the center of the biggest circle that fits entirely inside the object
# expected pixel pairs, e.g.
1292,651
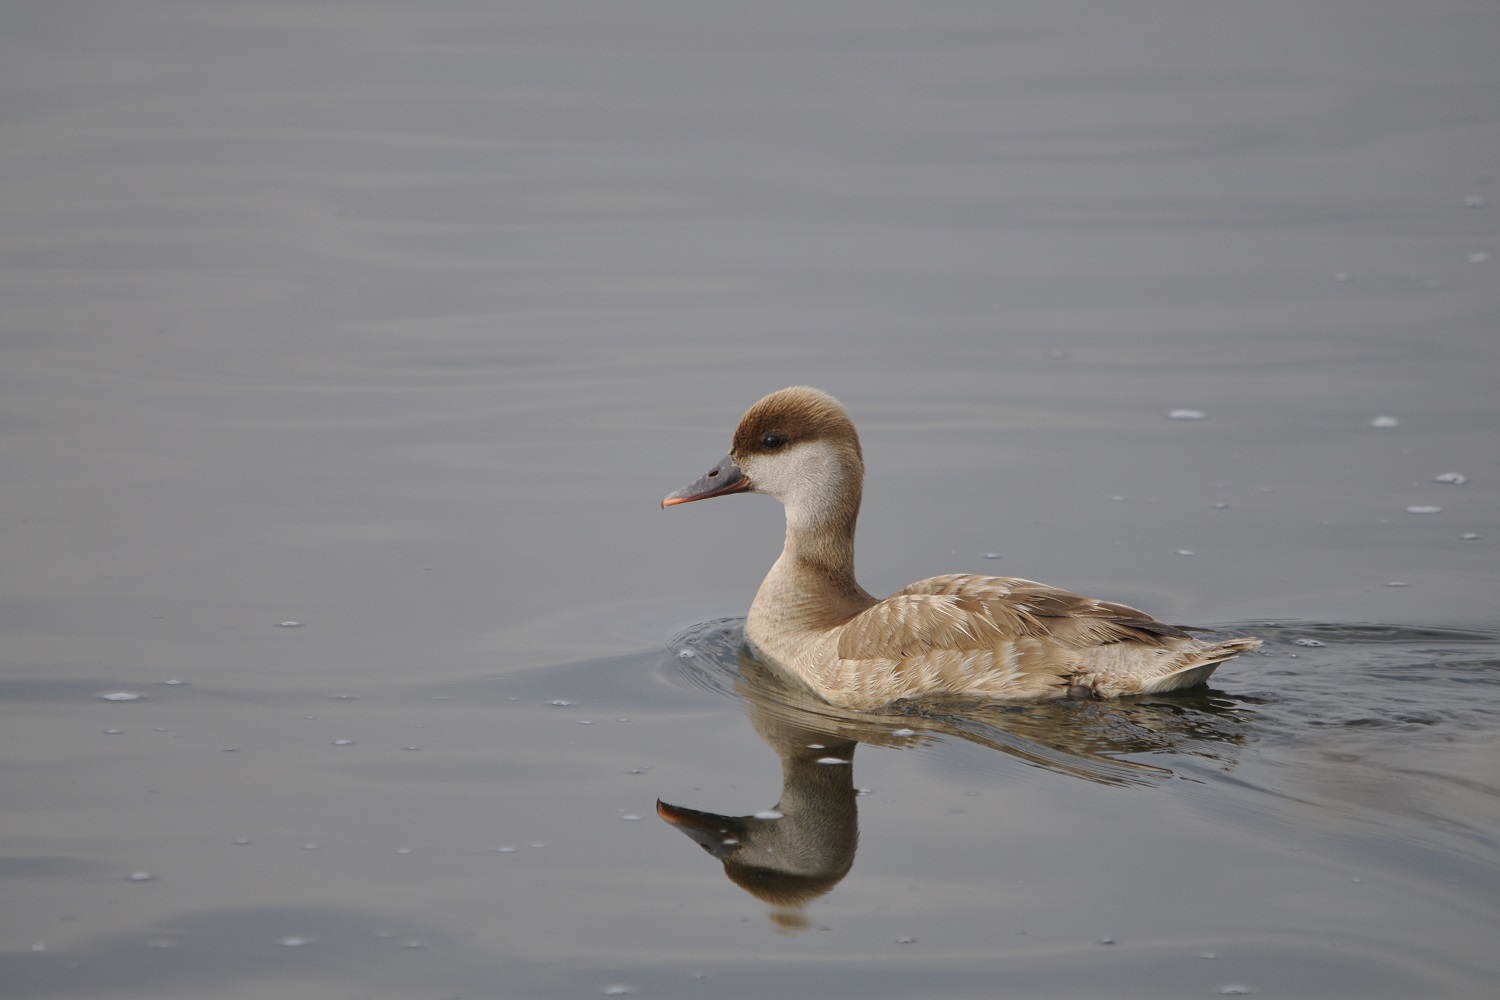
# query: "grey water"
347,350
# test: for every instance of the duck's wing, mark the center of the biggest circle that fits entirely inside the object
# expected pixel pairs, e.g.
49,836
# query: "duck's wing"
963,612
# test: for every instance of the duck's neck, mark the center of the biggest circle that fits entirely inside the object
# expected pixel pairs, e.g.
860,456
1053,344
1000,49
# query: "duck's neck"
812,585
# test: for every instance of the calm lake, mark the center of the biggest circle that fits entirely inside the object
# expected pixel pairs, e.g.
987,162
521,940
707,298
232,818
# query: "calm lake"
348,349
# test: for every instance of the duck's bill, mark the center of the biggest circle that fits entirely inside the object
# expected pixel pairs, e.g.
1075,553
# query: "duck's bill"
721,480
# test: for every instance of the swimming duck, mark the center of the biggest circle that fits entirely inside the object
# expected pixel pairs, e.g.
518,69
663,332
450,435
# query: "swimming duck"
986,637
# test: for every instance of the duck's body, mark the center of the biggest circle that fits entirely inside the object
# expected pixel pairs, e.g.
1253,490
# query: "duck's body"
999,638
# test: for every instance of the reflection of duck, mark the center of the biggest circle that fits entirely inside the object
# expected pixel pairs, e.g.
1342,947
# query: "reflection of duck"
998,638
802,848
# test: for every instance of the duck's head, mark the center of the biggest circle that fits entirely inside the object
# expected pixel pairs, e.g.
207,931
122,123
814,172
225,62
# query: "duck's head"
797,445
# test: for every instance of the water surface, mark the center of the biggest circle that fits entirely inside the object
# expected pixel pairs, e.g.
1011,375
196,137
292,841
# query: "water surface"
396,322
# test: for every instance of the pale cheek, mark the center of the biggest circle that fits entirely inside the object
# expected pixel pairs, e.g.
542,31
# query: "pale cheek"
807,480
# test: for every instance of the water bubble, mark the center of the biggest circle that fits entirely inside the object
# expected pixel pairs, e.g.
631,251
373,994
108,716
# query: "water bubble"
560,702
293,941
411,748
1397,583
906,939
1424,509
992,555
1468,536
311,845
413,944
1235,990
1306,642
903,732
1186,552
769,814
1208,954
585,722
119,696
1384,422
630,817
161,943
1343,276
616,990
686,654
39,946
1117,498
1107,940
1475,201
403,850
832,760
537,843
341,743
1221,505
289,624
113,732
240,841
1455,478
174,682
1187,415
140,877
1478,257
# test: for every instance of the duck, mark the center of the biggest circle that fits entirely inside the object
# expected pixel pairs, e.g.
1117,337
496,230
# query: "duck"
966,636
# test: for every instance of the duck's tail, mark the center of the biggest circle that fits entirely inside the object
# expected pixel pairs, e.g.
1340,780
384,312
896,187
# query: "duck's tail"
1198,672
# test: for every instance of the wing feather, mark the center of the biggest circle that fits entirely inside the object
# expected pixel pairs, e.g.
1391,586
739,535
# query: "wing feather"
964,613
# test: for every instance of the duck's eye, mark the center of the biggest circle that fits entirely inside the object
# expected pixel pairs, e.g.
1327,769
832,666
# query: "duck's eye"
772,441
